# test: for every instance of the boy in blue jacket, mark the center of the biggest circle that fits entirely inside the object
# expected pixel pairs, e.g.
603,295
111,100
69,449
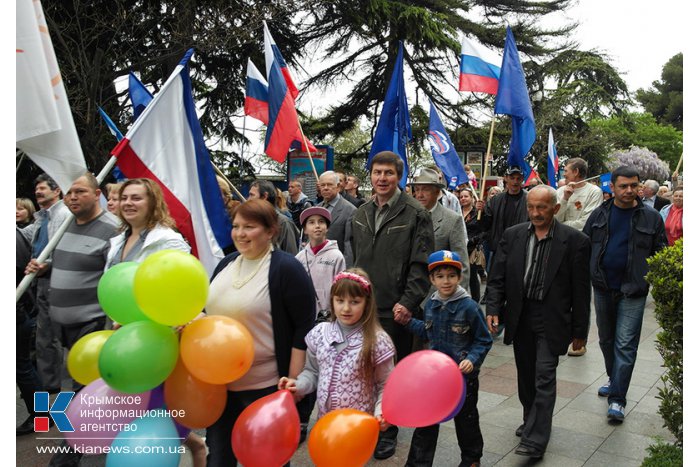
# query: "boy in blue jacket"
453,325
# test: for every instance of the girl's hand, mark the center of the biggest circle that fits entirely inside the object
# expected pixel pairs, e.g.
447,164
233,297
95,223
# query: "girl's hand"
289,384
466,366
383,424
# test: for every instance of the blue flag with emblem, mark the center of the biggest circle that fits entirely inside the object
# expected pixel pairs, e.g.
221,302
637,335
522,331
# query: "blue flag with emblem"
116,172
513,99
605,182
444,151
394,127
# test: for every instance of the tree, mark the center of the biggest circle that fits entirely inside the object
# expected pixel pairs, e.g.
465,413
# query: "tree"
366,33
639,129
98,41
665,100
646,162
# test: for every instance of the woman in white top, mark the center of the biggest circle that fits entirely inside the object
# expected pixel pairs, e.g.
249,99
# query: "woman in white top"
146,224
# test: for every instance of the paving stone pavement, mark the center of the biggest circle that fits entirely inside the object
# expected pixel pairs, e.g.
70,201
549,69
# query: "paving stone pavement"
581,434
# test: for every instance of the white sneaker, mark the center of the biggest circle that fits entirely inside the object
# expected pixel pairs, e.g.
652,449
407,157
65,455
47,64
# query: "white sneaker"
616,412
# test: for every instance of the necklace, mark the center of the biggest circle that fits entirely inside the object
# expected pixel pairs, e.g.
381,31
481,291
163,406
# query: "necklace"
238,266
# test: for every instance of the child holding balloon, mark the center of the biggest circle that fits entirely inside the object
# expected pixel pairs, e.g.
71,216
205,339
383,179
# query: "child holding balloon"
348,359
455,326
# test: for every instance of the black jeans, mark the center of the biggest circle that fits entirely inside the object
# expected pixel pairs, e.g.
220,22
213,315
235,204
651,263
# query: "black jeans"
219,434
471,443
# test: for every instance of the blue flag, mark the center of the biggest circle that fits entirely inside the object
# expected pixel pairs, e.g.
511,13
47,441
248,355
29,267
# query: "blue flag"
444,151
138,93
116,173
605,182
513,99
394,127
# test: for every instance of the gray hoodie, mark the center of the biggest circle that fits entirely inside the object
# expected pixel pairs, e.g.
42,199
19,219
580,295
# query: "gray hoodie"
322,268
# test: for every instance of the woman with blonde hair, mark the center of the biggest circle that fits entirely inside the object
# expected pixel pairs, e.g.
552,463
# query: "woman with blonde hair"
146,224
24,212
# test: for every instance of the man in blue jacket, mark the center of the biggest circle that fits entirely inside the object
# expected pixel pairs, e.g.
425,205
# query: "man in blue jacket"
624,233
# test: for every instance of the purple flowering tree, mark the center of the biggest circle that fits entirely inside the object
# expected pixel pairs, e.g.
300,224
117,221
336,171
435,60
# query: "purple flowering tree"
645,161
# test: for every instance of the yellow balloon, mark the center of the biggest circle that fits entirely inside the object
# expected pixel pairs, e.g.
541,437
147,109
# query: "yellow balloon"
84,356
171,287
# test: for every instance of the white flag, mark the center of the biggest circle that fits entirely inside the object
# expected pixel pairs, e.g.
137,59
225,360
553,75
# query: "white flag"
45,128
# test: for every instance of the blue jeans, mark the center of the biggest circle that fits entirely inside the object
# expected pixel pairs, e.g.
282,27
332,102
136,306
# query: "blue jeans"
619,322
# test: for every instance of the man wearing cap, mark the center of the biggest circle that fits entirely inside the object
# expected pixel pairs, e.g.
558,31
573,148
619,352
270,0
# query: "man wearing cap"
448,227
342,210
505,209
544,299
392,238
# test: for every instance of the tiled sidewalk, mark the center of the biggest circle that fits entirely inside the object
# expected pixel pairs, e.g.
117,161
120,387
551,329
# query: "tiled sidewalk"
581,435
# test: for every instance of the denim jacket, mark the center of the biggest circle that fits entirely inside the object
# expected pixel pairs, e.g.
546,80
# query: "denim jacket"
455,327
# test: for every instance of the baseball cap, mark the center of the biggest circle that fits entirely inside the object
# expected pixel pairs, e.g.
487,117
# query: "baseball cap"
514,169
317,211
444,258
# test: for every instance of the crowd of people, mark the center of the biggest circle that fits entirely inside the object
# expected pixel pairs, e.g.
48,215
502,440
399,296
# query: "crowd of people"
336,288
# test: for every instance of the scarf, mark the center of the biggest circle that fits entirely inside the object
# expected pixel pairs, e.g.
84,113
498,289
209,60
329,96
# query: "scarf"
674,224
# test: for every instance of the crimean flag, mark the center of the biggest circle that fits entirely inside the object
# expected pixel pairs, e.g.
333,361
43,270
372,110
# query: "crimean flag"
479,68
166,145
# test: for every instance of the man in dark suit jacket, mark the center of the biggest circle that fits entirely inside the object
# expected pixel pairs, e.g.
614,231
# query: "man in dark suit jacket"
651,196
341,211
539,285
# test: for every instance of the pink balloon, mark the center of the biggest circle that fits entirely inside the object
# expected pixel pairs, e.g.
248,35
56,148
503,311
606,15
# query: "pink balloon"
267,432
423,389
460,404
97,414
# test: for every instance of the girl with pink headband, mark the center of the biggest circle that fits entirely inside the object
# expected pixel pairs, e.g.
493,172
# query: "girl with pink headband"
348,359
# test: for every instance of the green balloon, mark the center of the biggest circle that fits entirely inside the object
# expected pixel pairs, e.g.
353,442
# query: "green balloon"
138,357
115,292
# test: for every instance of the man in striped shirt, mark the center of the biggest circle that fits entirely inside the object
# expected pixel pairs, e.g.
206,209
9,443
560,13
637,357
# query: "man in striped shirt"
544,300
78,263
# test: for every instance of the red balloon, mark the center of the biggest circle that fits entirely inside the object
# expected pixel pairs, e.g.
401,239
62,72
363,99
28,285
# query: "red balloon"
423,389
266,433
343,438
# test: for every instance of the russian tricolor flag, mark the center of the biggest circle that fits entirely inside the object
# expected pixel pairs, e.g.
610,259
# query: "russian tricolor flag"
480,68
283,122
166,145
552,161
256,94
280,61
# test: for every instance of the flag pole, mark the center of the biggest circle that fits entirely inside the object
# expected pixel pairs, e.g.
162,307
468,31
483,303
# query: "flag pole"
306,145
486,164
678,167
24,285
21,155
221,174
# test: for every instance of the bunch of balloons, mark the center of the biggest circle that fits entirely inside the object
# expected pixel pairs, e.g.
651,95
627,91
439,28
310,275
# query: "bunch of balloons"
144,357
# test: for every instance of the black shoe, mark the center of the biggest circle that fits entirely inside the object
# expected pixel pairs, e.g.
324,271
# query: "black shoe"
386,447
26,427
519,430
523,450
304,431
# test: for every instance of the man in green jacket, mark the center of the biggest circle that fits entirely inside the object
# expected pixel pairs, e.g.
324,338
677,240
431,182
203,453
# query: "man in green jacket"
392,238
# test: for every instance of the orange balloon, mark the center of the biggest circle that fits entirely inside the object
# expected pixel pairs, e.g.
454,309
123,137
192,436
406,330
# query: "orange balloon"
202,403
343,438
216,349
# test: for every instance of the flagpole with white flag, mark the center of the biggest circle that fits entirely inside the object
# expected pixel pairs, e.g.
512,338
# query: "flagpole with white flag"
45,130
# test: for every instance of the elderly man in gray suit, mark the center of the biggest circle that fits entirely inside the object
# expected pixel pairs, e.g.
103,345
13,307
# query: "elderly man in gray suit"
448,226
341,211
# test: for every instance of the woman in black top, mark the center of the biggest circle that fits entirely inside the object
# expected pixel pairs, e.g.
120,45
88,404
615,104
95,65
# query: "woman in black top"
467,199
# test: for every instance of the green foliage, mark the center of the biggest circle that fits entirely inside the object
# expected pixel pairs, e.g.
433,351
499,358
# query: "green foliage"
666,278
639,129
665,100
663,455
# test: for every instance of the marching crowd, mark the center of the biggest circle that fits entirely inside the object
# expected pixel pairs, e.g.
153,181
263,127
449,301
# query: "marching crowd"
336,290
